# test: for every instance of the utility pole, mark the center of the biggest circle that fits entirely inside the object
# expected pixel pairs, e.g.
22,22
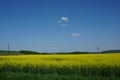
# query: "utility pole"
98,48
8,48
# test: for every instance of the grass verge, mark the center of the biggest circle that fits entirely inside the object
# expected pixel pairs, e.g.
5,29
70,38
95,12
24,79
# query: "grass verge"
30,76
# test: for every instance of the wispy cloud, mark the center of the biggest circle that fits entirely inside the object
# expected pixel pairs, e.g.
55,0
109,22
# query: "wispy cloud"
75,34
63,21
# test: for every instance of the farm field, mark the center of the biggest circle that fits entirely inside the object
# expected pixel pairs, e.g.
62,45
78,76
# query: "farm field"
60,67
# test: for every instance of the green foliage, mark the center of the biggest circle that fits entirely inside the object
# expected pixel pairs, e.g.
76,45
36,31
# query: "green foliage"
4,52
111,51
77,52
28,52
105,71
30,76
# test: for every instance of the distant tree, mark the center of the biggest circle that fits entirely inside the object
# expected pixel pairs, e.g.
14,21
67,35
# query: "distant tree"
28,52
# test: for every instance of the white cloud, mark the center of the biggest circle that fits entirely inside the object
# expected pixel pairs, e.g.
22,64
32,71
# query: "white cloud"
75,34
64,19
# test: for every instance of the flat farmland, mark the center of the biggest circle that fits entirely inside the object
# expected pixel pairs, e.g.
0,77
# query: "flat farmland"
60,67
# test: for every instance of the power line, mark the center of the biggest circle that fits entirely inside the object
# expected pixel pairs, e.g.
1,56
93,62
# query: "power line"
8,48
98,48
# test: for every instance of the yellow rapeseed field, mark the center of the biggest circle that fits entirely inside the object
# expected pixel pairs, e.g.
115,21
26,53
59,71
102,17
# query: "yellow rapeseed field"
62,60
65,64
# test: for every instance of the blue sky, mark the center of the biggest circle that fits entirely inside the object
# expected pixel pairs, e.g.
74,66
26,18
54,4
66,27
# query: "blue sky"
60,25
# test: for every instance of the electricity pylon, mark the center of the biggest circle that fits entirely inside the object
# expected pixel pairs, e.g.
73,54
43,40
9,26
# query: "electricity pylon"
8,48
98,48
